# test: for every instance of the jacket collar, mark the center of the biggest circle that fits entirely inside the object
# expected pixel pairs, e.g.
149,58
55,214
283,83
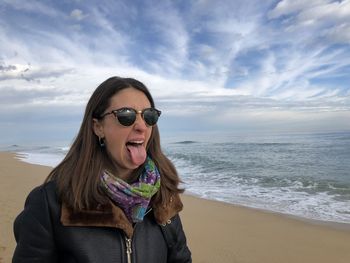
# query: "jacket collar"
110,215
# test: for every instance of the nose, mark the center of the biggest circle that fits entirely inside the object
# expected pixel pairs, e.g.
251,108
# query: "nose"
140,124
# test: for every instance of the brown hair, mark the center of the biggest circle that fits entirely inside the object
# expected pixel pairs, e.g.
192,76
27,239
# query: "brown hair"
77,176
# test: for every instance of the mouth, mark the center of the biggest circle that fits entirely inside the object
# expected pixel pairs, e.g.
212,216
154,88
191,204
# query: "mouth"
136,151
134,143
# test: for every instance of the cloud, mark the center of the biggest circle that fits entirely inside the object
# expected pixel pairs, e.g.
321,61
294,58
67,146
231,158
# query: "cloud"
78,15
247,61
7,68
31,73
287,7
19,97
29,6
339,33
315,14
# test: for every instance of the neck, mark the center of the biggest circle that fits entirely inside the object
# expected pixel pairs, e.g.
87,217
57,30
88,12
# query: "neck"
128,176
124,174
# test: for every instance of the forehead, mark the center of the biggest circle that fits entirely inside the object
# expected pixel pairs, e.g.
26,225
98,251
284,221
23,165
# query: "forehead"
129,97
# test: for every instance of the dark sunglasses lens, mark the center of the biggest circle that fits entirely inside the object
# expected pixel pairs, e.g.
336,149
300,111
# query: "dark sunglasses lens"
126,117
150,116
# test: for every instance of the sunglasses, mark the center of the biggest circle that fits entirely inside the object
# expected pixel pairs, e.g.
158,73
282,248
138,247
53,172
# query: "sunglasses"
127,116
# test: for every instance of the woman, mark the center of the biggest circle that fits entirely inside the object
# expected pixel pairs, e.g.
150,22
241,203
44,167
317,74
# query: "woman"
115,196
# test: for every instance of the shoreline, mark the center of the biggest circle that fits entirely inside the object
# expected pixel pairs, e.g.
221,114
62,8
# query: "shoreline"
216,231
332,224
337,224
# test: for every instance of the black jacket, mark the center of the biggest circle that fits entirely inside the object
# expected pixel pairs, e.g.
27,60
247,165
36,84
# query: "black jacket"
47,231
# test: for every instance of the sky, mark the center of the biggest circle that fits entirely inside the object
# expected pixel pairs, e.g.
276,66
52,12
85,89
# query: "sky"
233,66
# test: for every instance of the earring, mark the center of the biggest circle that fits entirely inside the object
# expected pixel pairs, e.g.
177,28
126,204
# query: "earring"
101,141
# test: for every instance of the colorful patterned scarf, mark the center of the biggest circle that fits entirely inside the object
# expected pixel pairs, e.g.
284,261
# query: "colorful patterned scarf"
133,198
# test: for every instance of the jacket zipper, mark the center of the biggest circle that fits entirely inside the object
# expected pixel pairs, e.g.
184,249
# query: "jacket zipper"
128,242
128,249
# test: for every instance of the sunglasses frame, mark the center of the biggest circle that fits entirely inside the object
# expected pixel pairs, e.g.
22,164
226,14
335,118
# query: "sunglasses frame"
142,112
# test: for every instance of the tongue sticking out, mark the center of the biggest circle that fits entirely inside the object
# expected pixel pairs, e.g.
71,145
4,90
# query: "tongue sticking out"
137,154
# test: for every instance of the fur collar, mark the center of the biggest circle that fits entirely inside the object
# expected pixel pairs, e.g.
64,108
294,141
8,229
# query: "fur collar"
110,215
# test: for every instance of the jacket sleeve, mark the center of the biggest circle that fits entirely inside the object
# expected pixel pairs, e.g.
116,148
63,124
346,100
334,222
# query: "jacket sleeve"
178,251
33,231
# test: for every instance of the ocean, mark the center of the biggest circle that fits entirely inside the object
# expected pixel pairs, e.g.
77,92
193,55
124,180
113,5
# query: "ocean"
304,175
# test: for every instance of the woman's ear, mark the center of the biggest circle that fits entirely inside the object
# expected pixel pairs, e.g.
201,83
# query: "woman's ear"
98,129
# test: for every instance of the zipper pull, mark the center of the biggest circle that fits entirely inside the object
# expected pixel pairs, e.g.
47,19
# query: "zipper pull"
128,249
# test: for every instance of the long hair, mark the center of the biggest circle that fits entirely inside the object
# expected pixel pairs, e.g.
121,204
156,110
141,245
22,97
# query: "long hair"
78,175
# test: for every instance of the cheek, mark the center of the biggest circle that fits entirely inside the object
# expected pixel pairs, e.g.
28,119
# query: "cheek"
148,135
117,151
115,143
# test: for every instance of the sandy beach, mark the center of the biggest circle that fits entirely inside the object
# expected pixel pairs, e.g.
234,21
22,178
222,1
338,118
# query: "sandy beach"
216,232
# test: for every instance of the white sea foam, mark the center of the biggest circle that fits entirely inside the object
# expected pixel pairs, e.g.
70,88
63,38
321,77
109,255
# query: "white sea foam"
290,199
47,159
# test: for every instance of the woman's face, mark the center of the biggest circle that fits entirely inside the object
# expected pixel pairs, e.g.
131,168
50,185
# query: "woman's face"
125,144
